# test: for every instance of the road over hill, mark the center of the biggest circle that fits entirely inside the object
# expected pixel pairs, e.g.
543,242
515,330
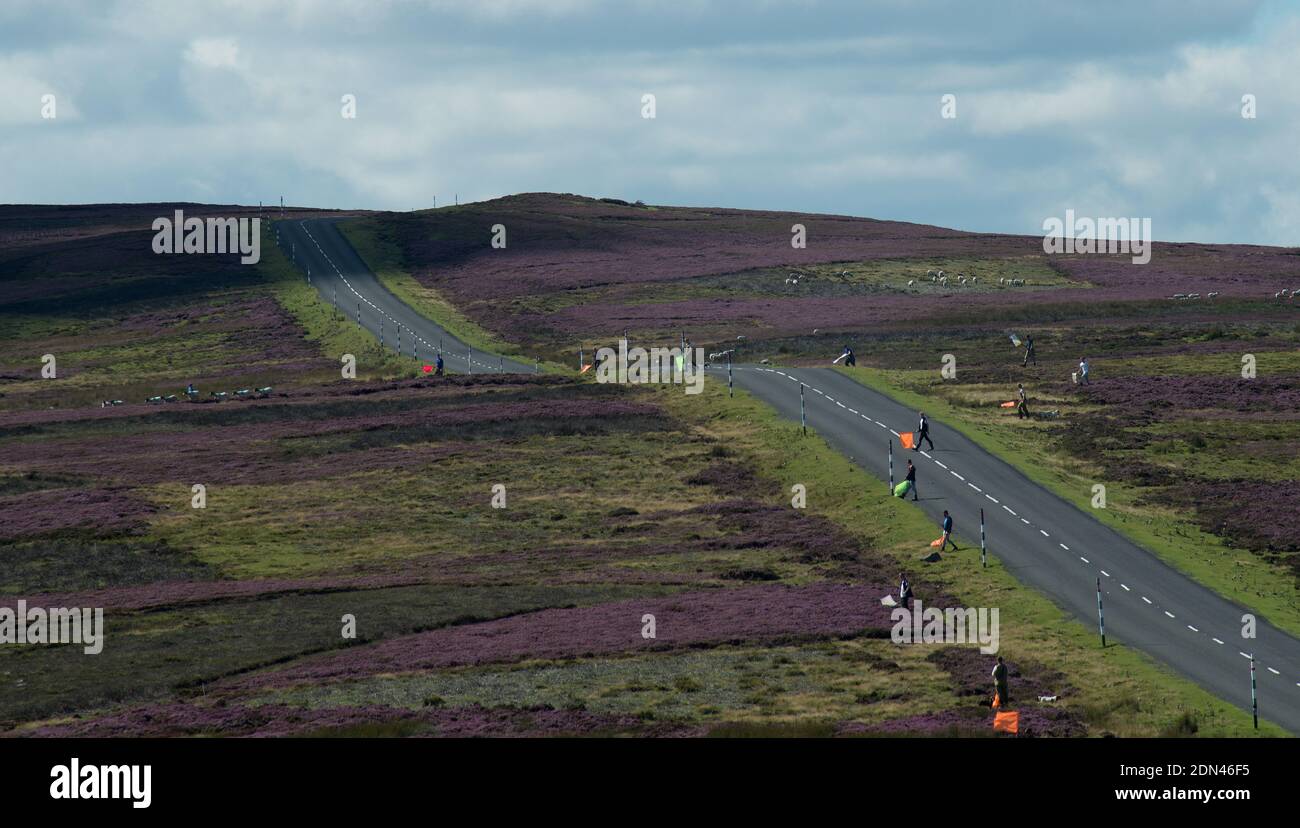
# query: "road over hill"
339,274
1044,541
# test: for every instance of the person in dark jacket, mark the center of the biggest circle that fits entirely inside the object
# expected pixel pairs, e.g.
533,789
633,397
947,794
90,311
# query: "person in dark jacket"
911,477
923,433
1000,682
904,591
947,533
438,366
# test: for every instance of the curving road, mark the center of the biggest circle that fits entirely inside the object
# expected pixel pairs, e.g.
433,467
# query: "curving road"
1044,541
340,276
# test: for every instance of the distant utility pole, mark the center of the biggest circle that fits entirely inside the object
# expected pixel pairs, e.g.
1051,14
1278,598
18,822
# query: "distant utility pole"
281,206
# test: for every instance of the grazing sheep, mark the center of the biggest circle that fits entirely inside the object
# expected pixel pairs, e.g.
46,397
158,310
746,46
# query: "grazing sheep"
1180,296
911,282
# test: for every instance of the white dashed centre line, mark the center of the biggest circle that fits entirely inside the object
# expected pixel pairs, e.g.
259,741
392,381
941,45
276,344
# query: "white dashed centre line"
1126,589
992,498
1193,629
1274,672
1085,560
1104,572
1063,546
1144,598
1217,640
1170,614
1044,532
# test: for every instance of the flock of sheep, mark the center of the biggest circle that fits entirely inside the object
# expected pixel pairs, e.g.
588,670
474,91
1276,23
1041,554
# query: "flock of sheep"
1181,296
936,276
1284,294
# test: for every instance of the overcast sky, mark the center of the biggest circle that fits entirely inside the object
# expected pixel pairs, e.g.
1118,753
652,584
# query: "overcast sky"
1109,108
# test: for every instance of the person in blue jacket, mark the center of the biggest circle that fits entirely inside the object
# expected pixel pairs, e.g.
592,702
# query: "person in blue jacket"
438,367
947,533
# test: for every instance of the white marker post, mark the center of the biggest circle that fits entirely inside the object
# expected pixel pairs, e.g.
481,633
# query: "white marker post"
890,443
803,417
730,390
1101,618
581,359
1254,699
469,360
984,552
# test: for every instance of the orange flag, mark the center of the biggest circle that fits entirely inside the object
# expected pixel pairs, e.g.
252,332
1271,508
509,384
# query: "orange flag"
997,700
1007,722
937,542
907,439
1011,404
585,369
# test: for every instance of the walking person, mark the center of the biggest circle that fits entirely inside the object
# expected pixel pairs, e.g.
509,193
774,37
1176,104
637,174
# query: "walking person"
911,478
923,433
1000,683
1030,354
947,533
1083,371
1022,407
438,366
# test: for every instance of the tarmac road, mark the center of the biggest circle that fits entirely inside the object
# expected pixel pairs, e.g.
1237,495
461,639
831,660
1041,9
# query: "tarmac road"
1047,543
1044,541
339,275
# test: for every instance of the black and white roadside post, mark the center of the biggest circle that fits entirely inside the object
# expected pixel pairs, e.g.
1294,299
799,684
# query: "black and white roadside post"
381,333
469,360
501,365
731,392
537,365
984,550
399,339
358,314
1101,617
803,416
309,275
582,360
1254,699
890,444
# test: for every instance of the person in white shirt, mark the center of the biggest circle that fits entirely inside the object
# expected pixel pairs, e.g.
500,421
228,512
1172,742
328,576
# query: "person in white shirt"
1083,371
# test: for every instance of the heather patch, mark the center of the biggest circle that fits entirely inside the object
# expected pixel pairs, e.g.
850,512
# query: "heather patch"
169,652
768,613
182,720
98,511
